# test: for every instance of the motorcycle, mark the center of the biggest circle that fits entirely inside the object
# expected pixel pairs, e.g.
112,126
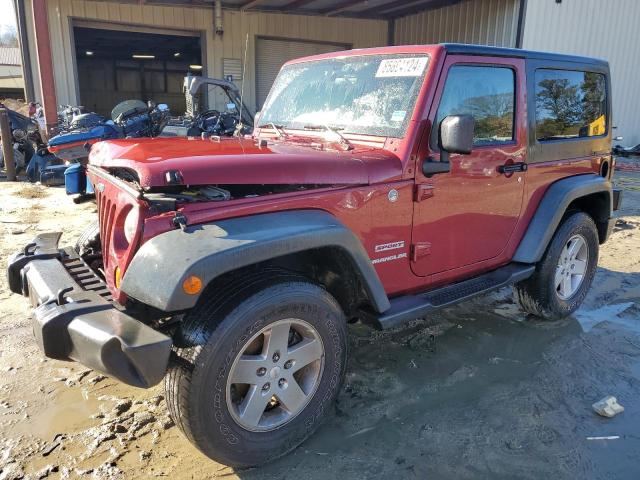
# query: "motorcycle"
74,118
27,144
129,119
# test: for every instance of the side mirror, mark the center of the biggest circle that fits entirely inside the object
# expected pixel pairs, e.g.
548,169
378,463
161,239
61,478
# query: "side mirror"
456,134
618,139
429,167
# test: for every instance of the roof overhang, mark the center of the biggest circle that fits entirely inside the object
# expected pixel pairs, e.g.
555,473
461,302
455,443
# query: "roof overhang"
368,9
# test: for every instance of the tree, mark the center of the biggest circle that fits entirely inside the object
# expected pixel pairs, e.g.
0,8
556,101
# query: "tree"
593,97
9,36
493,114
558,106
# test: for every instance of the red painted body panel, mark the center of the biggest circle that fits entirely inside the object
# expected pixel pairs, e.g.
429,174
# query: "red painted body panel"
243,161
474,220
474,201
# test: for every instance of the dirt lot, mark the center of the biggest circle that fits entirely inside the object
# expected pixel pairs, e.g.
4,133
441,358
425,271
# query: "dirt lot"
478,391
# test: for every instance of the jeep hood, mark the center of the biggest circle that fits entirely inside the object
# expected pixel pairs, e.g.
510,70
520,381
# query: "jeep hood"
241,161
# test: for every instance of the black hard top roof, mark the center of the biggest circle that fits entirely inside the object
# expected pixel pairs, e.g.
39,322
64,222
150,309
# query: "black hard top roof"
465,49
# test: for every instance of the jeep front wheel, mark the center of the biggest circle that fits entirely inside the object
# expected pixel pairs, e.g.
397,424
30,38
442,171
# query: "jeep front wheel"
564,275
256,367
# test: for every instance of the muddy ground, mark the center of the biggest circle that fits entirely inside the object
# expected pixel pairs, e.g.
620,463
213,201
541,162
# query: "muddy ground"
478,391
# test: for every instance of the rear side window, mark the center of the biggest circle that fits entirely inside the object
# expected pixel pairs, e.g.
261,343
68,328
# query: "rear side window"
570,104
485,92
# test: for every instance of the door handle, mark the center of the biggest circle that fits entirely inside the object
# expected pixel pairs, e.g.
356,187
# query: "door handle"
510,168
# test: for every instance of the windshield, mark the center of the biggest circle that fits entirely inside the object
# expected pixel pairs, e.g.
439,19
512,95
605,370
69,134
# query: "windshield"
369,95
127,106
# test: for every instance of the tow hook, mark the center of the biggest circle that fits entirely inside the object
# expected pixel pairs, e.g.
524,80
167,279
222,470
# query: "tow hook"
179,221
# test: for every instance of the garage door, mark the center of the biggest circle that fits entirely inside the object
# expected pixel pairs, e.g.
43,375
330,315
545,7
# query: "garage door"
272,54
115,65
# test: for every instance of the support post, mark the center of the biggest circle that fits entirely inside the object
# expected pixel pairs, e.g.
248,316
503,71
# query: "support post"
7,145
24,50
522,12
45,63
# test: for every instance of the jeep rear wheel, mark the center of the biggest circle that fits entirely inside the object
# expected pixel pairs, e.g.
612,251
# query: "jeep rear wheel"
255,368
563,276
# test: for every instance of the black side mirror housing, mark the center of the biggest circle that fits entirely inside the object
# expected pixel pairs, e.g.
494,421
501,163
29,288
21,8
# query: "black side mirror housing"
431,168
456,134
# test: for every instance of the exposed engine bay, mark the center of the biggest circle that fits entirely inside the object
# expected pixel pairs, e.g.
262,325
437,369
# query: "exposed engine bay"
171,196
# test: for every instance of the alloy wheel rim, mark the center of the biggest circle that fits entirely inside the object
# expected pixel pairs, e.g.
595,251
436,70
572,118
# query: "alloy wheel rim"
275,375
572,267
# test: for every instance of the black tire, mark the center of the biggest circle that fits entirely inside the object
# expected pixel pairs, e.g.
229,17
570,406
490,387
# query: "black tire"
89,248
537,295
89,239
212,335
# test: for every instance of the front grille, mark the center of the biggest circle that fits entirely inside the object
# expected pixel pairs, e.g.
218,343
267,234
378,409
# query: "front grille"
106,215
114,198
85,277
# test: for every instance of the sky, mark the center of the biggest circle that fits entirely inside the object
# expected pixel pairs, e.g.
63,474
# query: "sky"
7,17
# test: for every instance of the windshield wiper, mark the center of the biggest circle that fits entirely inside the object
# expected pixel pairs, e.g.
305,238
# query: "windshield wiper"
278,128
336,130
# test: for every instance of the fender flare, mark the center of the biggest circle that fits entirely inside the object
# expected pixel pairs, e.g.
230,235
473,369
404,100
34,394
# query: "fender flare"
158,270
552,208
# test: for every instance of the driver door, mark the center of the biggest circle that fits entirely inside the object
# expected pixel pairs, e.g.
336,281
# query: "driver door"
465,218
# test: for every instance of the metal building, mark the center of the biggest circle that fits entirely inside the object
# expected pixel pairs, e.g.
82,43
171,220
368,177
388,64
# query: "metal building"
11,84
95,52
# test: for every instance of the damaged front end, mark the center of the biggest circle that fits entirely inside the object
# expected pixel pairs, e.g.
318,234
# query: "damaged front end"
75,318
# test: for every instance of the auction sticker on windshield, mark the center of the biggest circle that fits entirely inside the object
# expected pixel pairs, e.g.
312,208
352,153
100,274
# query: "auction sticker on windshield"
402,67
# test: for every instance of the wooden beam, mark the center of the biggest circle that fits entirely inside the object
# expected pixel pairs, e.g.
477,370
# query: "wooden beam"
432,5
346,5
385,7
250,4
295,4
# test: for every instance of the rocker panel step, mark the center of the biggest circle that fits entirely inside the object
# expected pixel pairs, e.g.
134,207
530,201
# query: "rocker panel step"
409,307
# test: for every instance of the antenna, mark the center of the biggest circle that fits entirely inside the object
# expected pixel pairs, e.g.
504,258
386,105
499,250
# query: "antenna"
244,74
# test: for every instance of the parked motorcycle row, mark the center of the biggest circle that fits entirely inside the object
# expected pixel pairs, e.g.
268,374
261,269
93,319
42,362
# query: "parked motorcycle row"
60,160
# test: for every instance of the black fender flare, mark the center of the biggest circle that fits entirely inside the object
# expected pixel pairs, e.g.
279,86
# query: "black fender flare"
158,270
552,208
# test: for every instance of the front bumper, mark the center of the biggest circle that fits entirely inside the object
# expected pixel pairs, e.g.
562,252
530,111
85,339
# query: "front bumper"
74,318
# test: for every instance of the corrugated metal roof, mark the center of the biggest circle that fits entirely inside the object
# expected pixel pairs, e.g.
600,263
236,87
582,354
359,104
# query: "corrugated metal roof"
10,56
372,9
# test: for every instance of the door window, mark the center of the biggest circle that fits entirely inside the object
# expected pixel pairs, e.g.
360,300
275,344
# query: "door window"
570,104
485,92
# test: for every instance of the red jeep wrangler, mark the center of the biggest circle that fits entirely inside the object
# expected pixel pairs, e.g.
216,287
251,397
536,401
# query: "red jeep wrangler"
380,185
